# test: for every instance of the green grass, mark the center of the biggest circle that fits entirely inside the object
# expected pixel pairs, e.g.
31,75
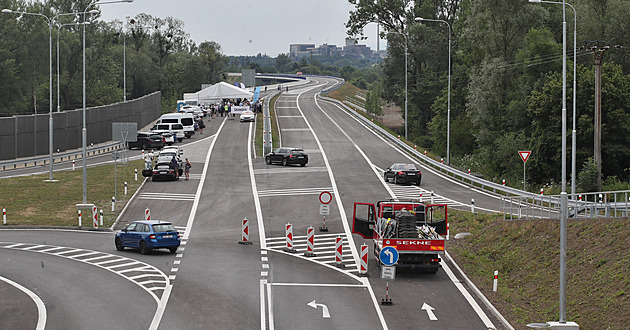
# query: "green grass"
31,201
526,254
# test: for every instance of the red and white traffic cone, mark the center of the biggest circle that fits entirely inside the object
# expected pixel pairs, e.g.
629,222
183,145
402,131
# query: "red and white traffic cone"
339,251
310,242
288,228
364,261
245,233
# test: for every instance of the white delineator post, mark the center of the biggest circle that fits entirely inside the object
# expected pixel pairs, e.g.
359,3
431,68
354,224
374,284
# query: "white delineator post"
338,251
245,232
147,214
101,213
94,217
472,205
496,280
135,175
73,165
364,260
310,242
125,187
288,228
80,218
4,216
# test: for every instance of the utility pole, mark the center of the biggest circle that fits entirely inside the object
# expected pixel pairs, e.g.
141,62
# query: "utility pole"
598,48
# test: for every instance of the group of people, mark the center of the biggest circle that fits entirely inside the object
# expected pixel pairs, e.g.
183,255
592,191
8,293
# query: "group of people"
173,164
225,107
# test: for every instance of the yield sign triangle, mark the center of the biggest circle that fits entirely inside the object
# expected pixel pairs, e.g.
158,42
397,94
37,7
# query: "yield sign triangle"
524,155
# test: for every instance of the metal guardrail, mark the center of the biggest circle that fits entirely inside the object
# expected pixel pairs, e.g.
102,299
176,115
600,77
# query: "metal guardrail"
610,204
267,136
340,82
57,157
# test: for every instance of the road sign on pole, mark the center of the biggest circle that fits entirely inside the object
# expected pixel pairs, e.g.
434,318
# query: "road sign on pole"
388,256
325,197
324,209
524,156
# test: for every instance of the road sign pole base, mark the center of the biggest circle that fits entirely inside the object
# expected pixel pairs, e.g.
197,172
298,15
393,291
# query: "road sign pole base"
364,275
289,250
325,229
245,243
309,254
340,265
386,301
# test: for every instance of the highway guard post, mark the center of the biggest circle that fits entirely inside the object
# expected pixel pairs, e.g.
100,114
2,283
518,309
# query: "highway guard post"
245,233
83,207
388,257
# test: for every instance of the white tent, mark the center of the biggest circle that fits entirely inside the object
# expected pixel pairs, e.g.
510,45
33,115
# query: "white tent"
219,91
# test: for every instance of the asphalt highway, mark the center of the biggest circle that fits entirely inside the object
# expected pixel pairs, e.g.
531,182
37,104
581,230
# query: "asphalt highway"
213,281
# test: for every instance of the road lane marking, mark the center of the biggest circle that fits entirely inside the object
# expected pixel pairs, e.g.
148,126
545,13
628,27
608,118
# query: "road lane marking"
118,260
41,307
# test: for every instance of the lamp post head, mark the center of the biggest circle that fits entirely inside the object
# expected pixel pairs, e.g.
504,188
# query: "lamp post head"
93,11
535,1
7,10
418,19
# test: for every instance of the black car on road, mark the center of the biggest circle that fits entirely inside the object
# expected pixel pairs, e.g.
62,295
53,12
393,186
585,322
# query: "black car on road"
287,156
403,173
147,141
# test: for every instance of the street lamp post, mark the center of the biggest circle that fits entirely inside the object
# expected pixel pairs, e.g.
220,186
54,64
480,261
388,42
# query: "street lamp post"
448,111
406,74
563,194
84,129
574,131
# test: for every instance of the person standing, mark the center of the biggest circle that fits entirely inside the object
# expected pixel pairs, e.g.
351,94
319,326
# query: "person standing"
187,169
148,160
202,125
175,166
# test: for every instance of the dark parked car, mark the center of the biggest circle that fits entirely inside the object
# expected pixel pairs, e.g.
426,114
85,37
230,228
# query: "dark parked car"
148,141
148,235
164,170
287,156
403,173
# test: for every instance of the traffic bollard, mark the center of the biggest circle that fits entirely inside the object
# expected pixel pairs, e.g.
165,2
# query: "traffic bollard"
364,261
4,216
323,228
147,214
288,228
94,217
80,218
73,165
425,152
125,187
338,251
420,197
468,171
245,232
542,191
386,300
504,182
442,160
310,242
136,174
472,205
432,195
496,280
101,217
113,203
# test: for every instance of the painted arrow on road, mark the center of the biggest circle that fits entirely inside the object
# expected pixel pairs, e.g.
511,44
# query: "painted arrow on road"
429,310
325,312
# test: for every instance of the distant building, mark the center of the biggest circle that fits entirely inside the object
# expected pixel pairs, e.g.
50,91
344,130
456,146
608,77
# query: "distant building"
351,49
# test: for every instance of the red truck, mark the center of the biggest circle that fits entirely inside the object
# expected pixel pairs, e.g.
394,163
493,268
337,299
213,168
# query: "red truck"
416,230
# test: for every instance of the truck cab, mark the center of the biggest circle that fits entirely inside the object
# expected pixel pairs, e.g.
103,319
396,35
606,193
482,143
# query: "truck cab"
416,230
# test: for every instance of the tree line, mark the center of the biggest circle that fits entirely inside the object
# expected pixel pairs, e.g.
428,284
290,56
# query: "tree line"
506,76
158,53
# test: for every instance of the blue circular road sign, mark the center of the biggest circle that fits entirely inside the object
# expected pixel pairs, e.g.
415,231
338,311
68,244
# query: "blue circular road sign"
389,256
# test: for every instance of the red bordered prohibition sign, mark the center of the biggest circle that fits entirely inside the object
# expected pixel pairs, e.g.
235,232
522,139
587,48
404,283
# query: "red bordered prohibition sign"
325,197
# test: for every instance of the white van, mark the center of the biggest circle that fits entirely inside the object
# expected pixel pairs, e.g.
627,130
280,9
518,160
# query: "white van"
186,119
176,129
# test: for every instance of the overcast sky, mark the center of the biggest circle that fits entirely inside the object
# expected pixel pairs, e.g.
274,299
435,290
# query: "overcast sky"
249,27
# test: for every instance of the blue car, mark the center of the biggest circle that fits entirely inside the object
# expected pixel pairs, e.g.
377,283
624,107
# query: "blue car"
148,235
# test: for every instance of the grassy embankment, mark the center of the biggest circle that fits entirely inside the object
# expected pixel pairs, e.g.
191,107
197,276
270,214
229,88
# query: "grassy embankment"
30,201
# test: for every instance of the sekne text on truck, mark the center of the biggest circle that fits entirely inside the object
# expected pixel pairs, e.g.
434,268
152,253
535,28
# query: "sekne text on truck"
416,230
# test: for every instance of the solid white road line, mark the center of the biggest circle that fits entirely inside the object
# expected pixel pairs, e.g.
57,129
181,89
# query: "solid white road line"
41,308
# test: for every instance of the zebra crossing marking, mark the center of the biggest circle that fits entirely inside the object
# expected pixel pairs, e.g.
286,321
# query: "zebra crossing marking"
150,286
